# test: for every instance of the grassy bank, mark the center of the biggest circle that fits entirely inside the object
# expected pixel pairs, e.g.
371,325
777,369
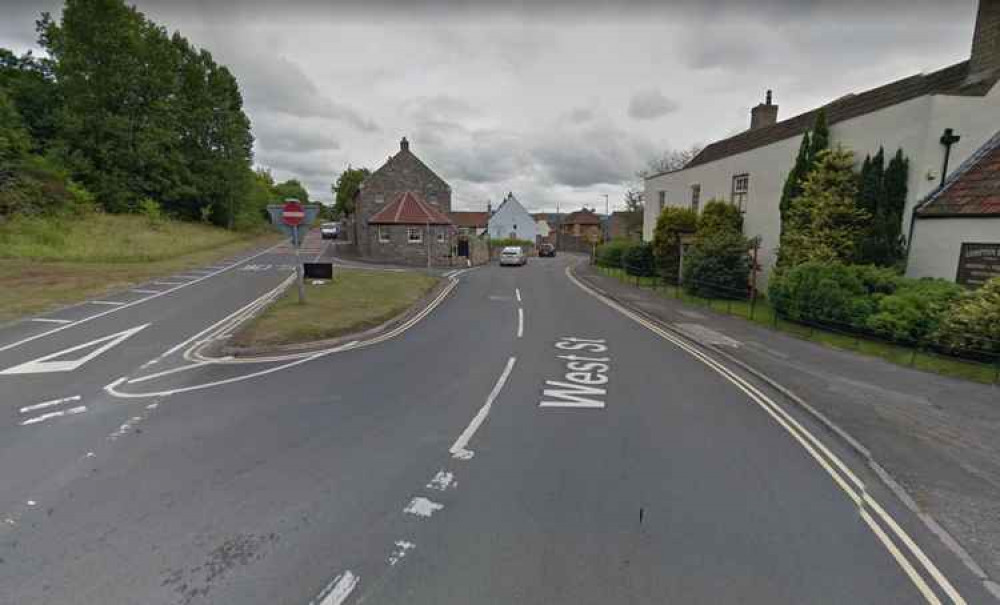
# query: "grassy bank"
50,263
762,313
355,300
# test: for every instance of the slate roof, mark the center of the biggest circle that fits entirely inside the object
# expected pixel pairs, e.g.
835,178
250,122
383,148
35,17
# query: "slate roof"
582,217
469,219
952,80
409,209
972,190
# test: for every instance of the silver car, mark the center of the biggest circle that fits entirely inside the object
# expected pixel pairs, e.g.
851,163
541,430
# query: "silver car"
512,255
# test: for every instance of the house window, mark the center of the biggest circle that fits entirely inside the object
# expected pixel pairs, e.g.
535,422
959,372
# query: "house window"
379,198
695,196
741,186
433,198
440,236
383,235
414,235
663,200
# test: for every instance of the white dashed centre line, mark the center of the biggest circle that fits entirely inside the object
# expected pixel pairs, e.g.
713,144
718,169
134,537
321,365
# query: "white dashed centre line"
459,449
520,322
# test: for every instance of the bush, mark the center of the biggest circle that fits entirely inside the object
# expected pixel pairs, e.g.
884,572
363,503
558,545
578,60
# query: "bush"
973,321
671,224
820,292
719,215
914,311
523,244
718,266
610,254
638,260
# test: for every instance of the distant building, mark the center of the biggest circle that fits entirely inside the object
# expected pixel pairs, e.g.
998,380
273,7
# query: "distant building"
511,220
584,224
625,225
401,213
470,223
749,169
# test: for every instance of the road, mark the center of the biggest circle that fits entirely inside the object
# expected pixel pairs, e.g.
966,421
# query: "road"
524,441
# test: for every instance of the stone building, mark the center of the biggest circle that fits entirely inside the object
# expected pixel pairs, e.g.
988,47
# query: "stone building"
912,114
584,224
410,231
402,173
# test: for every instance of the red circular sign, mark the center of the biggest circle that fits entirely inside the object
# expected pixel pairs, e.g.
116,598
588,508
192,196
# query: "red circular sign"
293,213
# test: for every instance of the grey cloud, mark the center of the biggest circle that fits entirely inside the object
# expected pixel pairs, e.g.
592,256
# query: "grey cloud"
650,104
580,114
277,132
600,154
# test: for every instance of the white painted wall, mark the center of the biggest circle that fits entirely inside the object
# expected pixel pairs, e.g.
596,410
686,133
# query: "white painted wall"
511,217
915,126
937,243
543,228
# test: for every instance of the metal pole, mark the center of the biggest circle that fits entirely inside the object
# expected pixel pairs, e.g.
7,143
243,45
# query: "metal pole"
298,266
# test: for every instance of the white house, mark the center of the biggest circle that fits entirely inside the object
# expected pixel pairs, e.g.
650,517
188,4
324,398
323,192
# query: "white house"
911,114
512,220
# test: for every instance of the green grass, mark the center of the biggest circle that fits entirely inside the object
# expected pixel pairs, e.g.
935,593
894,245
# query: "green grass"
762,313
50,263
355,300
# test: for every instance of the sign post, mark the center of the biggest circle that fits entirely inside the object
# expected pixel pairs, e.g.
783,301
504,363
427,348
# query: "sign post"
292,214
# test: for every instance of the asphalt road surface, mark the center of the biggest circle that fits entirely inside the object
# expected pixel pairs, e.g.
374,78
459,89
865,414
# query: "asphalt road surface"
522,442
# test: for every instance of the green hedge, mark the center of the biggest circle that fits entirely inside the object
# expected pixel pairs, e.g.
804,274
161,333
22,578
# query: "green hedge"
638,260
511,241
610,254
718,266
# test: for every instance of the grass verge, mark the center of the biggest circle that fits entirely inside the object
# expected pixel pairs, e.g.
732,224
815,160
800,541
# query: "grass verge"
354,300
50,263
762,313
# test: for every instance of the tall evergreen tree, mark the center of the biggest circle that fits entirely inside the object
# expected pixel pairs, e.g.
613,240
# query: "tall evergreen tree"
812,146
820,137
793,183
896,176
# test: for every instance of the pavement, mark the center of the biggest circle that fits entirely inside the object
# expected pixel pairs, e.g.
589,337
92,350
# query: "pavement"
520,440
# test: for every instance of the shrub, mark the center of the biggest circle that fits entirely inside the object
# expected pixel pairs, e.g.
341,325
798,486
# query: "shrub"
973,321
671,224
717,265
610,254
151,210
512,241
831,293
719,215
914,311
638,260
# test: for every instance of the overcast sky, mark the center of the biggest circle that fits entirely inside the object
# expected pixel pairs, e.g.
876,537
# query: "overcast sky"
560,103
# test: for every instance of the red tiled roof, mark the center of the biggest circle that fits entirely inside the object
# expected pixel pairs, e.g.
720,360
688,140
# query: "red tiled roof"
581,217
951,80
470,219
409,209
972,190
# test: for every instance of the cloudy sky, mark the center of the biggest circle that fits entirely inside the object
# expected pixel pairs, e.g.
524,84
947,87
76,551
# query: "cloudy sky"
560,102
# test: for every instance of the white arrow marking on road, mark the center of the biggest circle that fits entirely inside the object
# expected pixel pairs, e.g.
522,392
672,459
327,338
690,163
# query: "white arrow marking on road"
43,365
337,591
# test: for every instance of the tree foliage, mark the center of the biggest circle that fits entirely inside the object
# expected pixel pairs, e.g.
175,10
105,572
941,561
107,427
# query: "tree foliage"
719,216
973,322
813,143
718,264
346,187
671,159
672,223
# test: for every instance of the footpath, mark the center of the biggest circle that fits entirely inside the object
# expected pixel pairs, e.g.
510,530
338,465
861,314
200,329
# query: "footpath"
938,437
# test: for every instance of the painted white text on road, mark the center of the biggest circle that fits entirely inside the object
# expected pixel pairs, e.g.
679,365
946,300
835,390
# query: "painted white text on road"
583,384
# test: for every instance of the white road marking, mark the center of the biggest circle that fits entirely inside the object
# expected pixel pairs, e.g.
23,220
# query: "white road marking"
47,404
517,292
141,291
51,320
442,481
43,365
422,507
459,449
827,460
110,303
337,591
127,426
170,283
50,415
399,552
165,373
520,322
31,503
135,302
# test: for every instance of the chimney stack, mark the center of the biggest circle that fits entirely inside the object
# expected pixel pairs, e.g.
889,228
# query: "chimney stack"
764,114
404,145
985,57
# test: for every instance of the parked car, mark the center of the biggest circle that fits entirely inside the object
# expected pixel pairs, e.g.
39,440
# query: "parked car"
512,255
330,230
546,250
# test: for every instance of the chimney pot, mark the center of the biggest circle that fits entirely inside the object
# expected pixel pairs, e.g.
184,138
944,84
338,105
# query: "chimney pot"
404,145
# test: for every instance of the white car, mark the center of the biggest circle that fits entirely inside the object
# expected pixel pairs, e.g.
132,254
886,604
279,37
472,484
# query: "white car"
330,230
512,255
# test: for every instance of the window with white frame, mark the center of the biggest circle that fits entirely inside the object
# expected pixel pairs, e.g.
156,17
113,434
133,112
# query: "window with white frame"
383,234
663,200
440,236
414,235
695,196
433,198
741,188
379,198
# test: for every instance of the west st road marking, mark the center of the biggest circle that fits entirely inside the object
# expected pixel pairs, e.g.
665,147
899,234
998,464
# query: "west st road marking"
585,379
45,364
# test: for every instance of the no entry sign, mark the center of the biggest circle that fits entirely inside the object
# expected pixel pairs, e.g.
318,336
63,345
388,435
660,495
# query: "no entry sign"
292,213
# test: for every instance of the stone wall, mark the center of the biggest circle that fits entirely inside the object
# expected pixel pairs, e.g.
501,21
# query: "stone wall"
398,250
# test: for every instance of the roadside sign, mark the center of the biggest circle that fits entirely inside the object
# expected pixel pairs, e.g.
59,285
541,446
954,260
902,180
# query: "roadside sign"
292,213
